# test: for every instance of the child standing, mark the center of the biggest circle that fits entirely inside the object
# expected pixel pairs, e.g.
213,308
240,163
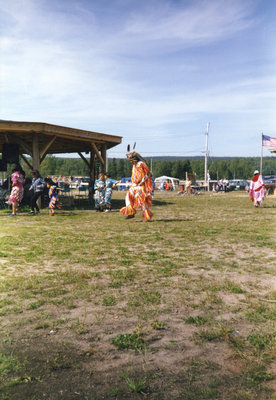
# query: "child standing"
99,192
53,195
109,185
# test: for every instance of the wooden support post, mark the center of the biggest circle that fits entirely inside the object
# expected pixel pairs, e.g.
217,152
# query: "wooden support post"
92,176
36,159
36,153
103,154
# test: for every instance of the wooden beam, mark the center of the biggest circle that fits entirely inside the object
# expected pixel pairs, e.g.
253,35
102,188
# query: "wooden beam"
84,159
97,153
103,153
36,158
47,146
24,145
26,161
41,159
10,139
92,165
92,176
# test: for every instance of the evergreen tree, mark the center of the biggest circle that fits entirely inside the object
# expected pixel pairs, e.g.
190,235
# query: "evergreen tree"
112,168
230,168
121,168
198,168
178,169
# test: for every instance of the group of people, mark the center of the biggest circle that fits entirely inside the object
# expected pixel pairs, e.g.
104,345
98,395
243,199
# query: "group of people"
166,185
103,187
38,186
139,195
221,186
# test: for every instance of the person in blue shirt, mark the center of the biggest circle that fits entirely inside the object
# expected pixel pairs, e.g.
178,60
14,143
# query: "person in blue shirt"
37,186
109,185
99,187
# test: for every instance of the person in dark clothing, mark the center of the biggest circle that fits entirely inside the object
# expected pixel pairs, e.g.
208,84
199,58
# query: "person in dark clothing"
37,186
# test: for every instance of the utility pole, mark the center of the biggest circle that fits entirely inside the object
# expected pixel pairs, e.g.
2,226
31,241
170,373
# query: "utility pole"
261,162
206,158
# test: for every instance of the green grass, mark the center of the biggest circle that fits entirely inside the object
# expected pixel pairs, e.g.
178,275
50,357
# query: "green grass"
136,386
127,341
196,280
198,320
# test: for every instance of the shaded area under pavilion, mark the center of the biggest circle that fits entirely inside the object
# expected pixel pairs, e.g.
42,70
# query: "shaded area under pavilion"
36,140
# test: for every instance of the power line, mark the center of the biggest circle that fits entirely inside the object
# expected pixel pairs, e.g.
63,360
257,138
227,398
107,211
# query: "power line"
168,136
163,154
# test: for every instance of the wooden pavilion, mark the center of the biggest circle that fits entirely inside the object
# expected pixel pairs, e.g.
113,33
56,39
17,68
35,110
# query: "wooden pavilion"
36,139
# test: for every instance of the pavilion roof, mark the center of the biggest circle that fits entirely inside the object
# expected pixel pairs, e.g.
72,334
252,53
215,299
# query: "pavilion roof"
56,139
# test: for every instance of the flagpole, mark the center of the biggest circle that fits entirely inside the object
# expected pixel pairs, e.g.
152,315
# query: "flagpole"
261,163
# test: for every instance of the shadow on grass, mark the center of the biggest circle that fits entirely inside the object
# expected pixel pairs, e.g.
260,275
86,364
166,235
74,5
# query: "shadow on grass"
173,220
117,204
161,203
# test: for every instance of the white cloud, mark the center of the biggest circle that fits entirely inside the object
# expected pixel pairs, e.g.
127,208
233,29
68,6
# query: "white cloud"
202,21
72,66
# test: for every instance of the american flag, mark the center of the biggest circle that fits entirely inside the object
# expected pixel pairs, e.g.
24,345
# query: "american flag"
269,141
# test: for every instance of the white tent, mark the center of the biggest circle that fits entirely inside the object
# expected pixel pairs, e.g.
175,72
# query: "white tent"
162,179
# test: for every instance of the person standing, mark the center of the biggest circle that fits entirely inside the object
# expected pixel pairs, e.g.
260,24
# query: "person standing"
188,186
139,195
99,186
257,189
109,185
37,186
17,179
53,195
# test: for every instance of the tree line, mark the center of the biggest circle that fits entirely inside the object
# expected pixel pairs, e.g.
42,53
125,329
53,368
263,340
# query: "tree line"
229,168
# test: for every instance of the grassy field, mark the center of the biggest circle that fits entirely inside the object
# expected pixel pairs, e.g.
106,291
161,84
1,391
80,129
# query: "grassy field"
94,306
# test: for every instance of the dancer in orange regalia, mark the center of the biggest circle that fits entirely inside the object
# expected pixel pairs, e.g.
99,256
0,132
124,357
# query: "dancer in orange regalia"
139,195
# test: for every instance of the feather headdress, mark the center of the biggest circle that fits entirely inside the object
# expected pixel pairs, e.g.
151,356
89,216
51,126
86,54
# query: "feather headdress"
133,155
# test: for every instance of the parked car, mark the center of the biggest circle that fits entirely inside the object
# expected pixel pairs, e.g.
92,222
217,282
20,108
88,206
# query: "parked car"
270,183
85,181
232,186
80,181
241,185
75,183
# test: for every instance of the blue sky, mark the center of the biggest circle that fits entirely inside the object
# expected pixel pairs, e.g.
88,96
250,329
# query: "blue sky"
152,71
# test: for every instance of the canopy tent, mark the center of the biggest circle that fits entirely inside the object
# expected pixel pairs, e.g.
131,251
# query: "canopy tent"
162,179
